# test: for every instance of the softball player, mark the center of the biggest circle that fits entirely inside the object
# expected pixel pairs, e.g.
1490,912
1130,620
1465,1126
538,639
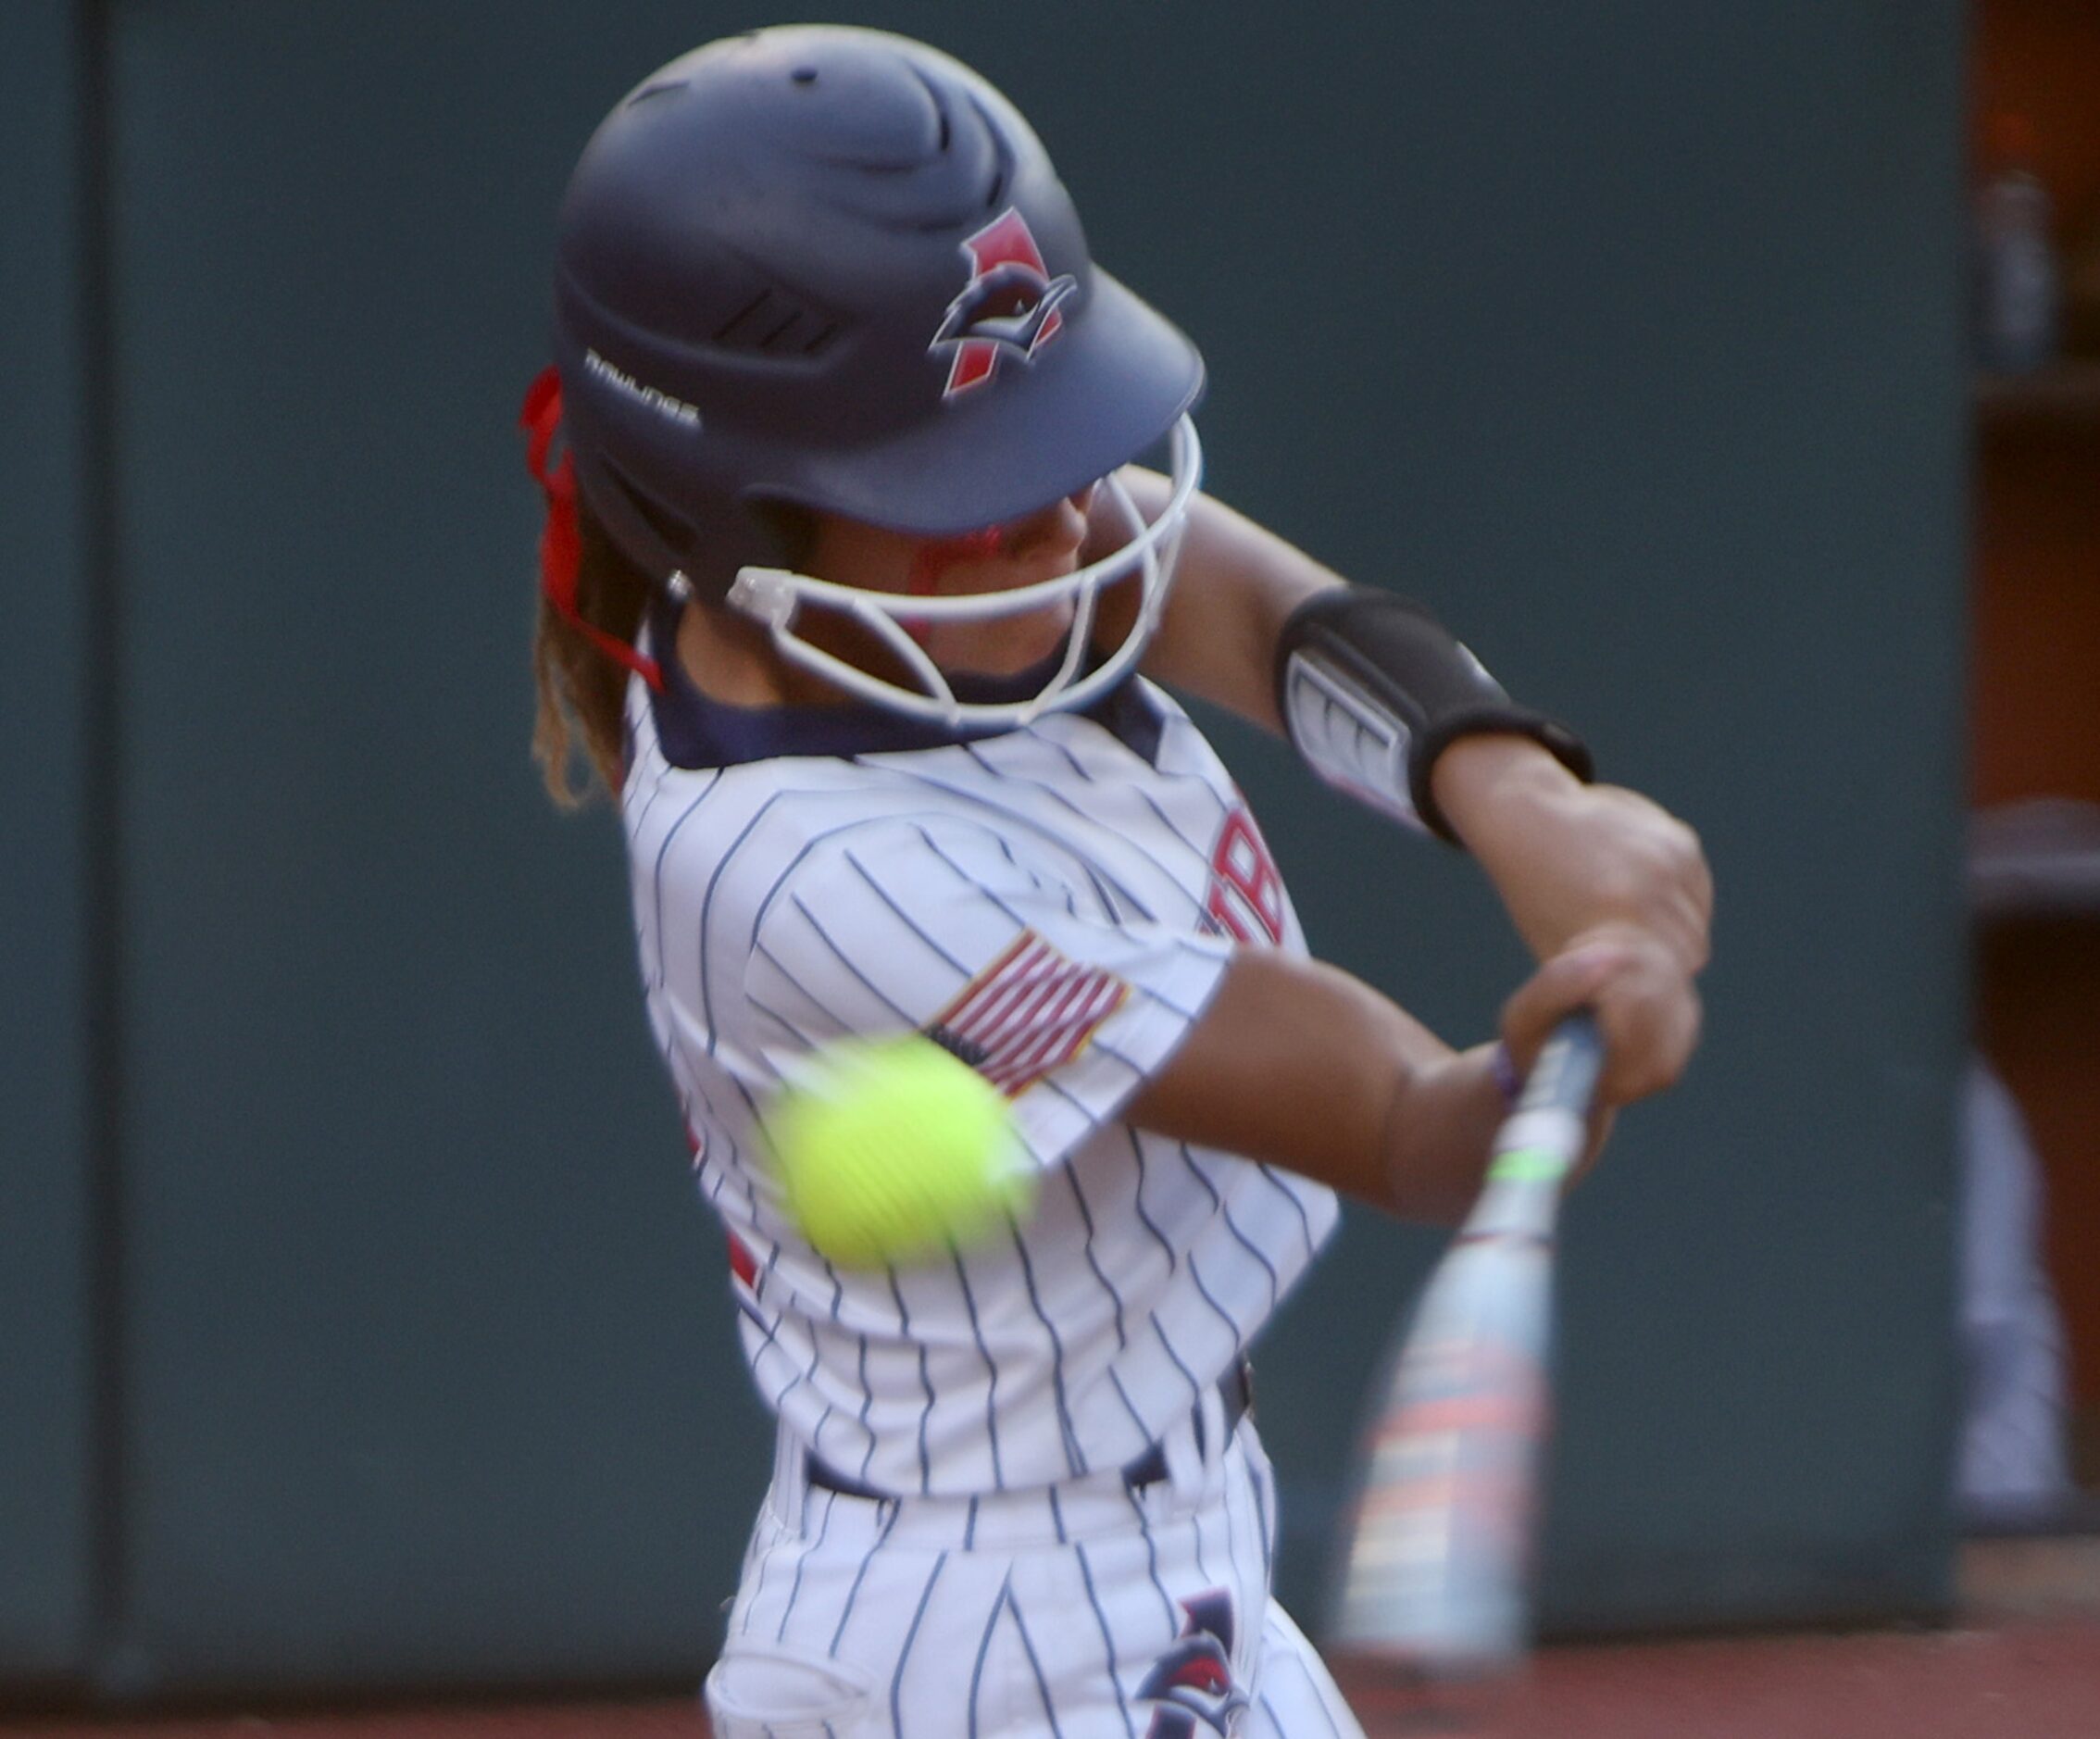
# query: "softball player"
854,595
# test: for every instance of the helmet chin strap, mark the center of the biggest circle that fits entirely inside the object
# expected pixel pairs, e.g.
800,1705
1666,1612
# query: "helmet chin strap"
776,596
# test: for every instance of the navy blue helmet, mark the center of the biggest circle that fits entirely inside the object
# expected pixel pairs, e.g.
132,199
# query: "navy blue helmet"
833,269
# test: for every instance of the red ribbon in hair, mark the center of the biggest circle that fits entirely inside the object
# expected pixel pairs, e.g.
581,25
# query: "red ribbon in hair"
561,542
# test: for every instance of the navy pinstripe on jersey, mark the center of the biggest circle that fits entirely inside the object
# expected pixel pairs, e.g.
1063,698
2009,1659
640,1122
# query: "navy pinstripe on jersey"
782,902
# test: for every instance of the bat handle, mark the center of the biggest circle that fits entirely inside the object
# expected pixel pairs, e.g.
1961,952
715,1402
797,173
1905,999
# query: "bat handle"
1542,1140
1565,1077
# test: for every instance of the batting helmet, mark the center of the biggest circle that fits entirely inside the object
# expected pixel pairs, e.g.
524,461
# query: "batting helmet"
833,269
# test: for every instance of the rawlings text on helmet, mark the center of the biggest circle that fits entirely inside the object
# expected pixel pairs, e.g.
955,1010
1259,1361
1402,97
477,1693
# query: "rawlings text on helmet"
677,409
1009,304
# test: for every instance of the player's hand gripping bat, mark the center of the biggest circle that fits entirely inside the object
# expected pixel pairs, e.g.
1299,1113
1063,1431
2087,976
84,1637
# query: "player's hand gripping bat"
1435,1571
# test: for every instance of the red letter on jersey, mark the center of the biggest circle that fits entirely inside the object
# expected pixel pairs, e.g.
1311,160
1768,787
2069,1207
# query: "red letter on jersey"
1246,893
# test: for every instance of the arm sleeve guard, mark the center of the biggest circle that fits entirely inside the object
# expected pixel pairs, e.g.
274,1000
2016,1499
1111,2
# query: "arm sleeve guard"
1372,689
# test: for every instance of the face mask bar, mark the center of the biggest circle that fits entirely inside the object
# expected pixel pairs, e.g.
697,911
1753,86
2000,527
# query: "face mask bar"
776,596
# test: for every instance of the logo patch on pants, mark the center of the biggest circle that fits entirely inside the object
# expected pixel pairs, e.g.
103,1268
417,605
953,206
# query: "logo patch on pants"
1192,1681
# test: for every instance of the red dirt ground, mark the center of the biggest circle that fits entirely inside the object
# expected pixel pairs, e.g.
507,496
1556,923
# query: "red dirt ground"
2037,1680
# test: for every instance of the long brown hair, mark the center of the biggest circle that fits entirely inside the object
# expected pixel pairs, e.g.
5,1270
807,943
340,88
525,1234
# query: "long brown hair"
582,692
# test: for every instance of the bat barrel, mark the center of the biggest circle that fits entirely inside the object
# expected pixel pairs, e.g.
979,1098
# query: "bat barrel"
1437,1574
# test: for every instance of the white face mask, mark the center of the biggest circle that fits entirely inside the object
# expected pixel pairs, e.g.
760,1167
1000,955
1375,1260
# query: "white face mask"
776,596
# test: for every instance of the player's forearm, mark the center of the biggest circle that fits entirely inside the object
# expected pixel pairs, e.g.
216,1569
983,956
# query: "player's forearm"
1435,1154
1225,620
1237,584
1300,1065
1568,858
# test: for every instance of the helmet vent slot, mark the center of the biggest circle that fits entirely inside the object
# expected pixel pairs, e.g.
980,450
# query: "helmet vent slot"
746,312
647,90
1002,159
775,323
933,96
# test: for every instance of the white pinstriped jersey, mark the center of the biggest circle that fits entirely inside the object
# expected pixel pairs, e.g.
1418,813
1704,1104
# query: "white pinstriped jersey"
1058,902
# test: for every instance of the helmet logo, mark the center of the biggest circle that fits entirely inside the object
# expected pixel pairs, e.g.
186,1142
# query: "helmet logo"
1008,308
663,404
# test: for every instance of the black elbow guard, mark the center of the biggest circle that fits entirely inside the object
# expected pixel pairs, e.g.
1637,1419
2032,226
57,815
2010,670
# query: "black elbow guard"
1372,689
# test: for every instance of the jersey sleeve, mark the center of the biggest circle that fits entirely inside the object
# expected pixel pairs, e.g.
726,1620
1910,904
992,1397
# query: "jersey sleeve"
1045,983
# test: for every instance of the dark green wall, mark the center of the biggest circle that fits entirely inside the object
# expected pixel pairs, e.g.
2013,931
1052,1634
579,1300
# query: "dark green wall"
431,1376
46,1397
1630,338
1669,419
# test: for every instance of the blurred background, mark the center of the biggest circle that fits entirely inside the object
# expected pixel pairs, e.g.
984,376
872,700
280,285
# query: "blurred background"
1715,372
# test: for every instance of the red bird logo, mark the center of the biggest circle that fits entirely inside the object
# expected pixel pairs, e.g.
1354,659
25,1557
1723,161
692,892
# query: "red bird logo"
1193,1682
1008,308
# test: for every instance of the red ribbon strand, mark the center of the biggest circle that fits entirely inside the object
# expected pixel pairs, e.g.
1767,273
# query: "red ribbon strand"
561,542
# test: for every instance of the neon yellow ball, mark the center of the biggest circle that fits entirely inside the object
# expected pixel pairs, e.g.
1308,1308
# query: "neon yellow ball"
892,1150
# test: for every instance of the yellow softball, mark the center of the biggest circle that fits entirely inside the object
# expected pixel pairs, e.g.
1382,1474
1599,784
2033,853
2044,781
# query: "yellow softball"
892,1150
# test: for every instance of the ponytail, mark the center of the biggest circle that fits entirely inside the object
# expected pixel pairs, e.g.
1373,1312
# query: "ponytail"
582,692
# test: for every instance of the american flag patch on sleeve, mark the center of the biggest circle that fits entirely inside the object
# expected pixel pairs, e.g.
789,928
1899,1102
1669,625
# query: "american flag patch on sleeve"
1030,1011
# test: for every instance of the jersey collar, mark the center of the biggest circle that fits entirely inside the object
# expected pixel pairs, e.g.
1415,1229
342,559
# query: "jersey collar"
695,731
